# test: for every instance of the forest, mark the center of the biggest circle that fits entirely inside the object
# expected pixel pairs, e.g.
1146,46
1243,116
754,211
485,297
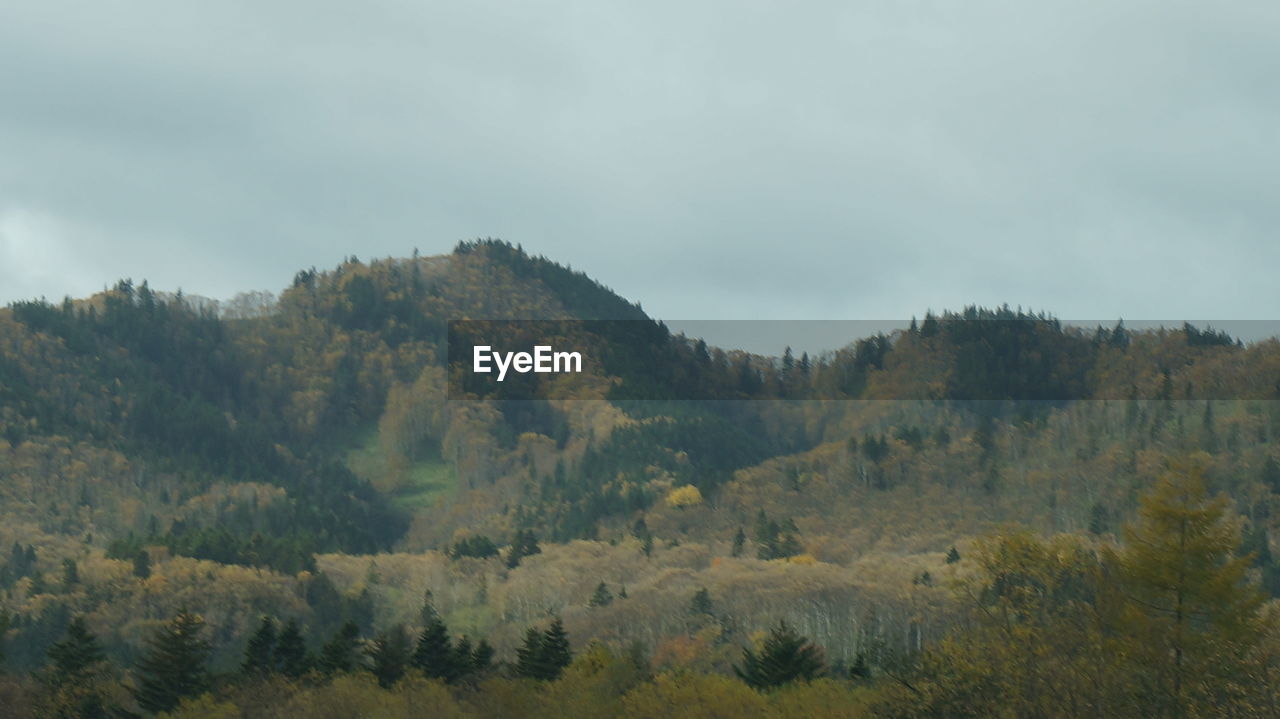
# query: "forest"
295,506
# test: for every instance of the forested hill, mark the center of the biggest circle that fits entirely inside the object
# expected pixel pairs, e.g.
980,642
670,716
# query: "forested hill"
267,447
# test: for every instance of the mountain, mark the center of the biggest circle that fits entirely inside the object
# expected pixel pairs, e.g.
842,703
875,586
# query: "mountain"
311,456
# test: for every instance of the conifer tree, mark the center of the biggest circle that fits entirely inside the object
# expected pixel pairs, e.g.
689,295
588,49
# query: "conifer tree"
601,597
71,681
141,564
259,654
342,652
482,657
544,654
701,603
173,667
1193,606
739,542
785,657
953,555
291,654
389,654
434,654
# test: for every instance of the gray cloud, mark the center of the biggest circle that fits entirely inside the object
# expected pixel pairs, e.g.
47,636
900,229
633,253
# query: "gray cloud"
828,160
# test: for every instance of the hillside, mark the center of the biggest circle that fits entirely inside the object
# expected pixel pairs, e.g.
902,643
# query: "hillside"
297,457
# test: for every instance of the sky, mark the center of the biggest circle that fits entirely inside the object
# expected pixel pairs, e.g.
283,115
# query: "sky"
734,160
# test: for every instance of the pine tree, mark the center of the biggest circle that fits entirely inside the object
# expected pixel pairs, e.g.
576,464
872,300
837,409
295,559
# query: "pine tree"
71,683
556,654
1193,606
70,574
523,545
259,654
77,657
739,542
953,555
291,654
434,654
601,597
860,670
389,655
545,654
785,657
482,657
141,564
701,603
173,667
529,655
342,652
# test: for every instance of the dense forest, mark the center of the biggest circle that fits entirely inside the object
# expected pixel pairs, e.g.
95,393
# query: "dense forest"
295,506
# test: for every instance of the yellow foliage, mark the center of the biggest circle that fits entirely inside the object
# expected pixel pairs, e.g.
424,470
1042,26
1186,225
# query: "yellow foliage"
686,496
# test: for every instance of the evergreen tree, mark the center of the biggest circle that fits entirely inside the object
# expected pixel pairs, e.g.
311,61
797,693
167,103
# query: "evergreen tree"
6,620
860,670
482,657
173,666
291,654
71,682
529,655
1271,474
141,564
953,555
785,657
435,654
70,574
259,653
556,654
76,658
523,545
545,654
342,652
601,597
739,542
389,654
701,603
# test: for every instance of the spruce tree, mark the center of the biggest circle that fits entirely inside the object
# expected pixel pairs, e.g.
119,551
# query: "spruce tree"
389,656
77,657
71,682
434,654
953,555
545,654
173,666
291,654
556,654
342,652
482,657
141,564
701,603
259,654
739,542
785,657
601,597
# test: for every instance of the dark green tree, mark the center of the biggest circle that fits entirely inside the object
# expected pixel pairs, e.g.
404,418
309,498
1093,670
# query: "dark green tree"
174,665
601,597
544,654
482,657
434,654
523,545
70,574
785,657
141,564
342,652
72,687
739,542
953,555
291,654
389,654
259,653
701,603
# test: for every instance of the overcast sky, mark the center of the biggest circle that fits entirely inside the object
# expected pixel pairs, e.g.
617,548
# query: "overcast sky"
738,160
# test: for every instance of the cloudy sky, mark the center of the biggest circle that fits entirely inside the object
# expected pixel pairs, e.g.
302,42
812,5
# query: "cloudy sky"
747,159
